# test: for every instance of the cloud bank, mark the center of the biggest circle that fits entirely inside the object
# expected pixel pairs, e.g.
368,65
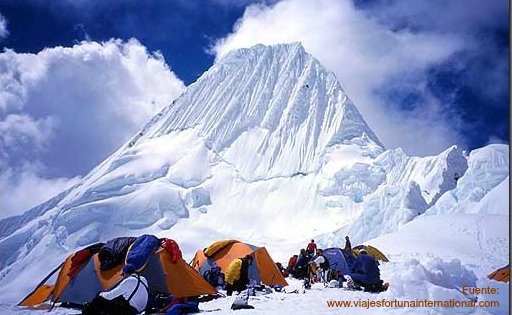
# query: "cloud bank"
65,109
384,68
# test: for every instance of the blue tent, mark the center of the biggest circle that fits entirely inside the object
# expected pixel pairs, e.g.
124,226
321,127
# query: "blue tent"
339,260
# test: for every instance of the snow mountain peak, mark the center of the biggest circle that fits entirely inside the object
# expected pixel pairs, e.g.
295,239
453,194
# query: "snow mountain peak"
274,102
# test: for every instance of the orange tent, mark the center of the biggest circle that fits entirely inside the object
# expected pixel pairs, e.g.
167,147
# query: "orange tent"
221,253
502,274
79,287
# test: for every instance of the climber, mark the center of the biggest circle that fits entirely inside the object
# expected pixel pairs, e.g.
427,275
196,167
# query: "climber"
311,248
237,274
365,273
348,246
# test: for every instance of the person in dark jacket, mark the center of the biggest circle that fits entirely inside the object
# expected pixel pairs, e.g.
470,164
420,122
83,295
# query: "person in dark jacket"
300,270
365,270
237,274
348,246
244,272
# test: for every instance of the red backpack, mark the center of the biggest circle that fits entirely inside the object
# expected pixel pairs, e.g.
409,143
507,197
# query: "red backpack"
172,248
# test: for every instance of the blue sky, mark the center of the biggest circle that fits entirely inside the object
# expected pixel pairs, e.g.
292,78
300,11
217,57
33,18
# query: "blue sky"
78,78
182,30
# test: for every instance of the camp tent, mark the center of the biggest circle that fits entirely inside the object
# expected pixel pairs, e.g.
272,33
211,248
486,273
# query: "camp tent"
502,274
221,253
82,285
339,260
377,254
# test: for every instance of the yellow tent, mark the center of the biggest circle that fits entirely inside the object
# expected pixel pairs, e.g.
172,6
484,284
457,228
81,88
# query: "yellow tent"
377,254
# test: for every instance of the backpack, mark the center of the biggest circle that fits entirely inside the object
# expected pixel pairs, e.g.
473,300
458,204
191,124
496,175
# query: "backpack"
214,277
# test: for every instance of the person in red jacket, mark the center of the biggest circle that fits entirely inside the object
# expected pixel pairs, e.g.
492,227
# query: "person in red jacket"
291,265
292,262
311,249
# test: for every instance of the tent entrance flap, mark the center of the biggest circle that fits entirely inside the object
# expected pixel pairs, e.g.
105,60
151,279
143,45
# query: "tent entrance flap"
34,297
41,294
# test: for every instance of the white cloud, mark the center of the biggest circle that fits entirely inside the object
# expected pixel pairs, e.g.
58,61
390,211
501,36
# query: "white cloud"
366,57
16,129
3,27
24,188
65,109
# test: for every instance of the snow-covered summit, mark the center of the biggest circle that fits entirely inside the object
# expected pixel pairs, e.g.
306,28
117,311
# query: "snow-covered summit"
267,110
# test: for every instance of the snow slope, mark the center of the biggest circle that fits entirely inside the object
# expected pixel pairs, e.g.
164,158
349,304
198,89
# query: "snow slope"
266,147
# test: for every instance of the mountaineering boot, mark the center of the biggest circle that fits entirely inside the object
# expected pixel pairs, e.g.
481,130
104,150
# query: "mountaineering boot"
307,283
350,283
